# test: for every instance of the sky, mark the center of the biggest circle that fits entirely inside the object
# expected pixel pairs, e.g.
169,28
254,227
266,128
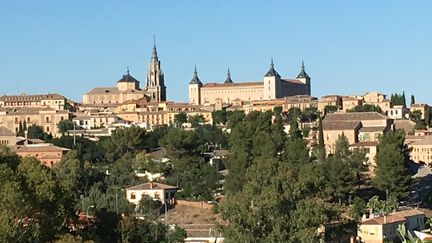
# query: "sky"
349,47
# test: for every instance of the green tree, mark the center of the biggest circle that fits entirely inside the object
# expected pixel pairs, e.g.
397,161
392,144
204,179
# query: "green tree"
321,144
196,120
328,109
343,170
412,100
309,114
219,117
65,125
37,132
148,207
416,115
366,108
357,208
124,140
180,118
235,117
392,177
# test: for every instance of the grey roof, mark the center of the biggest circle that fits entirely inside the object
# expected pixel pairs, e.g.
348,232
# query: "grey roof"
195,79
128,79
303,73
272,72
6,132
228,80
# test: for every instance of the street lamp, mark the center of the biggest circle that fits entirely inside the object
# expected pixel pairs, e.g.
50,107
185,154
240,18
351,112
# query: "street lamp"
91,206
116,197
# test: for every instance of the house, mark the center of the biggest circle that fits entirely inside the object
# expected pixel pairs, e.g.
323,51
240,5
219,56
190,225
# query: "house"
356,126
46,153
369,148
7,137
383,228
157,191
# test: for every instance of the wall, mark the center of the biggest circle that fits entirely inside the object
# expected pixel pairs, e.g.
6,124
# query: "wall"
194,204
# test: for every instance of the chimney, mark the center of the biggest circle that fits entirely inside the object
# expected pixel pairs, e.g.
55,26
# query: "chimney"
151,184
26,137
385,219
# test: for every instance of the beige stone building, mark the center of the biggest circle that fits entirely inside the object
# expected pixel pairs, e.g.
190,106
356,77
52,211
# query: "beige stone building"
53,101
128,88
377,99
356,126
94,120
272,87
46,118
384,228
153,114
298,101
7,137
349,102
419,107
46,153
370,149
330,100
421,150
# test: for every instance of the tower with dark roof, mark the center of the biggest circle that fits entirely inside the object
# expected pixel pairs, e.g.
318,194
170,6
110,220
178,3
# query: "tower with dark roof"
272,83
228,80
155,83
304,78
127,82
195,89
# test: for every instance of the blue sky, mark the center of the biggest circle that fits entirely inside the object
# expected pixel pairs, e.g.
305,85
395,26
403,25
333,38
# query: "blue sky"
349,47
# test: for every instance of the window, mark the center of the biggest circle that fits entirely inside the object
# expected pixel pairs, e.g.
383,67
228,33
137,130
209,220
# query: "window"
156,195
132,195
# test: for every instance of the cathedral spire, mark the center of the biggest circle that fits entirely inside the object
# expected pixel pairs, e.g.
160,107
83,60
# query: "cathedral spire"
154,53
228,80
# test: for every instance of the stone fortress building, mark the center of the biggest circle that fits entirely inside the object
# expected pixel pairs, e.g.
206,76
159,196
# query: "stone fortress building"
128,88
273,86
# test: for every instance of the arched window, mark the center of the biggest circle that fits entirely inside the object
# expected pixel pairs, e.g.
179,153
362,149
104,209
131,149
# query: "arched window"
132,195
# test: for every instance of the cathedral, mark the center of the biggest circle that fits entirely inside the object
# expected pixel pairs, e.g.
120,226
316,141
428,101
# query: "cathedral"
128,88
273,86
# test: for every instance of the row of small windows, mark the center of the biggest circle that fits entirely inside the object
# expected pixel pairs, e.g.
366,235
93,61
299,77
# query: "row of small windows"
422,149
4,142
233,91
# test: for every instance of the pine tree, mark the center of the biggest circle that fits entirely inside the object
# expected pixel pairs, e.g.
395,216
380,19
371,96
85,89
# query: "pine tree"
403,99
392,159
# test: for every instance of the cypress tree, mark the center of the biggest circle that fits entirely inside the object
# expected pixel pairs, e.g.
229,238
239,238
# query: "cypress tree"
412,100
321,145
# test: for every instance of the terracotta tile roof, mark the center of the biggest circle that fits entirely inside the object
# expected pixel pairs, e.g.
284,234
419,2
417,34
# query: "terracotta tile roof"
31,97
373,129
6,132
112,90
40,148
365,144
294,81
424,141
340,125
355,116
218,85
152,186
393,217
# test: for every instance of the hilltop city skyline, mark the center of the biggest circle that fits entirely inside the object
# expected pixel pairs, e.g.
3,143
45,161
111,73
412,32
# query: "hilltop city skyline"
69,49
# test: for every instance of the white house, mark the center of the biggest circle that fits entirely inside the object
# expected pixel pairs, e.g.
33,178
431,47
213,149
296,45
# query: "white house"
157,191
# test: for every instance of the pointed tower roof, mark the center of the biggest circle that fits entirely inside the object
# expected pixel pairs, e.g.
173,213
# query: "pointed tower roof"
271,72
228,80
302,73
195,79
127,78
154,53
